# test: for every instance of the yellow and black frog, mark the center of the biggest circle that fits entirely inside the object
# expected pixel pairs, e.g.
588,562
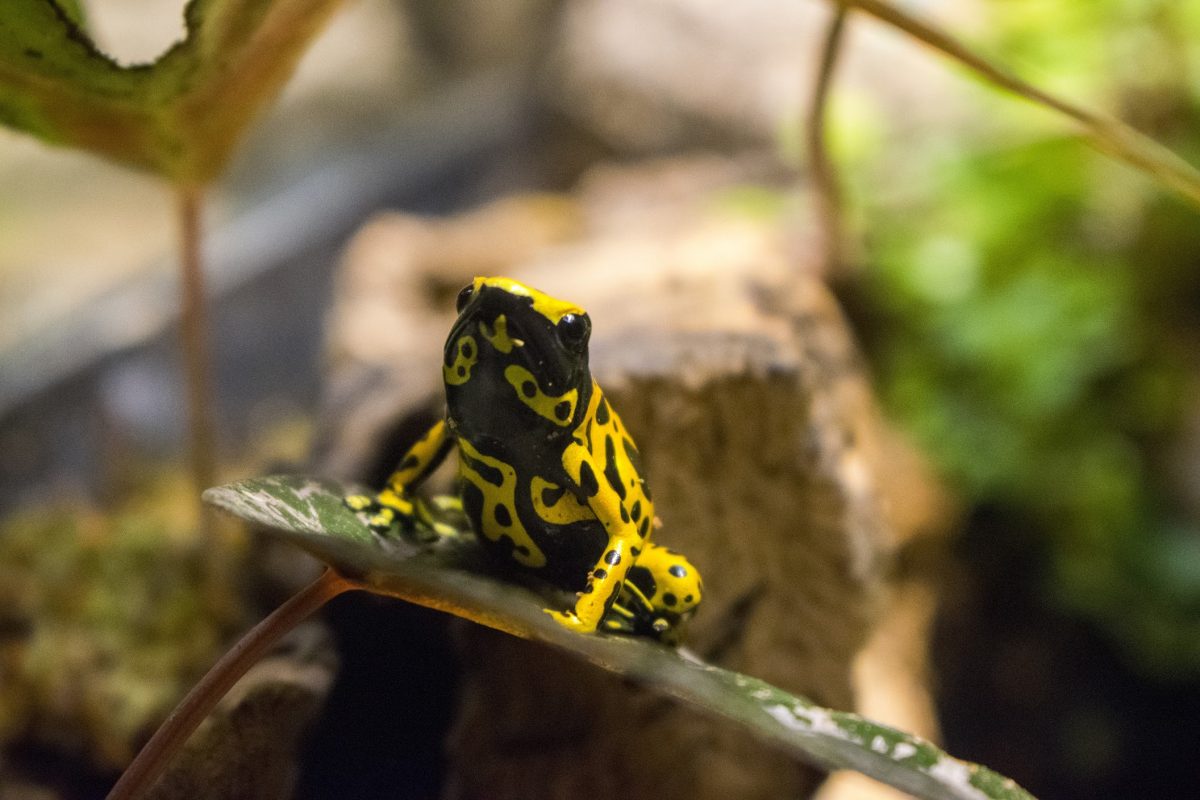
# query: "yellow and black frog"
550,479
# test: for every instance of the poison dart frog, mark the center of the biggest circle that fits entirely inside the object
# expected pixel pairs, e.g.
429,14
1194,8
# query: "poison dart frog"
550,479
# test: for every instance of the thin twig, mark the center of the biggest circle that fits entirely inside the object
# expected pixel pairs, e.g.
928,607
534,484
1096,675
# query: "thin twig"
827,194
192,710
1105,133
194,326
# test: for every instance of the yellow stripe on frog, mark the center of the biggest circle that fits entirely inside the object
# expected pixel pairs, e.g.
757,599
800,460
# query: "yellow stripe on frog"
558,410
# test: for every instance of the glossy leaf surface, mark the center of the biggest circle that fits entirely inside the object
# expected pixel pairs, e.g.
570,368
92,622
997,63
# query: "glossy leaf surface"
451,576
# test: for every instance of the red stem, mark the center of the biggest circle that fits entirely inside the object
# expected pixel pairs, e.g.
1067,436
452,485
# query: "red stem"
192,710
194,329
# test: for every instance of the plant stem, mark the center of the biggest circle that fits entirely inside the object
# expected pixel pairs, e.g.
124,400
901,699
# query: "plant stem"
194,327
1105,133
192,710
826,192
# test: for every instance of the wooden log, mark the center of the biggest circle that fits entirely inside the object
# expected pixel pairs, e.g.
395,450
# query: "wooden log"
735,372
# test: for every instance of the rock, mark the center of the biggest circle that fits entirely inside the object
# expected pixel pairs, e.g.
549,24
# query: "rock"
106,621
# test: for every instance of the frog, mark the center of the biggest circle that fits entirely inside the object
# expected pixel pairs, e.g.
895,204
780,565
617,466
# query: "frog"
550,480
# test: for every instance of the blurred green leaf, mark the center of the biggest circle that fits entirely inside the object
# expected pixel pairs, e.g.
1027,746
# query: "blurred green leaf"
1033,312
180,116
1107,134
73,10
451,576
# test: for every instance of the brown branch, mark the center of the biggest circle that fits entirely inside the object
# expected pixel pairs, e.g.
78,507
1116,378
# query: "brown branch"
827,195
1105,133
191,711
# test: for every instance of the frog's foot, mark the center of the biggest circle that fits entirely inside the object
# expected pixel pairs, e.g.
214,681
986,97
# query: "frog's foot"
447,503
382,512
570,620
359,502
622,619
434,515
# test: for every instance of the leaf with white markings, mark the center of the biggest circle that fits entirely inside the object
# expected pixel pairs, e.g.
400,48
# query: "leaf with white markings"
451,577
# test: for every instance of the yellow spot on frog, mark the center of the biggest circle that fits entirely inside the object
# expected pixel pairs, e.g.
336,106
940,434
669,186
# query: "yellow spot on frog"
466,353
498,336
558,410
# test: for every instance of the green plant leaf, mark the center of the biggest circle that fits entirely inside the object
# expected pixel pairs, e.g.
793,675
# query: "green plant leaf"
74,11
451,576
181,115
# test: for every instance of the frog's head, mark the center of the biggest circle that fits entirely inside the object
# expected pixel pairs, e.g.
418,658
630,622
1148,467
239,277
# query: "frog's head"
516,362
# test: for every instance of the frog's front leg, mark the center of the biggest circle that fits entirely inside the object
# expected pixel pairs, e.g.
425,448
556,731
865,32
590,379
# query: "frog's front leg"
625,543
394,502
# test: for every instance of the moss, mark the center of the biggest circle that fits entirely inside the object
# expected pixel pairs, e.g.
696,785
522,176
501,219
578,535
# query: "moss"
107,619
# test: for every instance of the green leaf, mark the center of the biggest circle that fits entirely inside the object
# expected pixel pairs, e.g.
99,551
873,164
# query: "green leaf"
74,11
180,116
451,576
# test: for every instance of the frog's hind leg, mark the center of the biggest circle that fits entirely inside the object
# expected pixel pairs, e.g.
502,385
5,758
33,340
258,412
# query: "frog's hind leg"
633,612
622,616
441,516
661,591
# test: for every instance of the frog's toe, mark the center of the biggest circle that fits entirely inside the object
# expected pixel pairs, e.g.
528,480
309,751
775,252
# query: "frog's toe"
424,513
569,620
379,517
441,530
382,520
358,502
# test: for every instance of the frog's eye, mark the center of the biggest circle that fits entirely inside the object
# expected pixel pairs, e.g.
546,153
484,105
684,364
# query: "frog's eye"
464,297
573,330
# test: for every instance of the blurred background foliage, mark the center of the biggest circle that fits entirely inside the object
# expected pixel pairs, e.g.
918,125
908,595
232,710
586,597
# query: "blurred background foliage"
1032,310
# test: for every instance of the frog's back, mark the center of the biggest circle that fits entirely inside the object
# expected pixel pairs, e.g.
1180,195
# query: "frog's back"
522,505
502,497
